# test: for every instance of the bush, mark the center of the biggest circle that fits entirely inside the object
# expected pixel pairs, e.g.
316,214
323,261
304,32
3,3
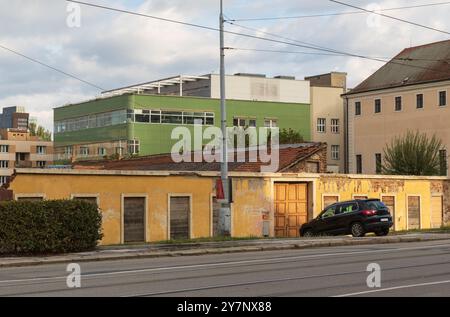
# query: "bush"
58,226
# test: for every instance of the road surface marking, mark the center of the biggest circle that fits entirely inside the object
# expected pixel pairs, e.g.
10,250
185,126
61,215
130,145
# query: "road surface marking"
393,288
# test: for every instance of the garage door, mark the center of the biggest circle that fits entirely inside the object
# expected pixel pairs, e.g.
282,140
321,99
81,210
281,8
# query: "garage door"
134,219
389,201
413,212
291,209
436,212
179,218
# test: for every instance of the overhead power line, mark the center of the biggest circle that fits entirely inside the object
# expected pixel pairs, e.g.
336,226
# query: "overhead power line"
390,17
331,54
313,47
50,67
337,13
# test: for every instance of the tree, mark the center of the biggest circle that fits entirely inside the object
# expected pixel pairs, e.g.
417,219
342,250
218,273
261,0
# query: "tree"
413,154
289,136
39,131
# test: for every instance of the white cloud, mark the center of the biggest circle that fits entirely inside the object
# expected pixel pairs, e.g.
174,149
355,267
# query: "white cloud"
112,49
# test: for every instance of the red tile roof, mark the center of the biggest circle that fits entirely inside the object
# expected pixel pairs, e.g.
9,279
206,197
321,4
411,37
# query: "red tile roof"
288,155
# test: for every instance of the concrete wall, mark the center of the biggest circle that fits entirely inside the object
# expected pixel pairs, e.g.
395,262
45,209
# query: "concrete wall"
370,132
262,89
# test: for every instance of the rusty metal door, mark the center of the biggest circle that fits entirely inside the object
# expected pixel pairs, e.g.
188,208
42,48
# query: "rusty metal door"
413,212
179,218
389,201
134,219
291,209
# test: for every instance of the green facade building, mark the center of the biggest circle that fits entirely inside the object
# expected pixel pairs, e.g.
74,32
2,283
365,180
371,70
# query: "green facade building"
141,124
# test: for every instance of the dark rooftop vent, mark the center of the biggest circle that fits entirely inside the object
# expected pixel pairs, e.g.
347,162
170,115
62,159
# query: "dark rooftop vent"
250,75
285,77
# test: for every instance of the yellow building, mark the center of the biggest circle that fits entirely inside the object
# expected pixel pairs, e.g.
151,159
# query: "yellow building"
150,206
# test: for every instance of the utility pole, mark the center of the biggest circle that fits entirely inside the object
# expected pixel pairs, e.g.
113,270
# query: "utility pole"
225,211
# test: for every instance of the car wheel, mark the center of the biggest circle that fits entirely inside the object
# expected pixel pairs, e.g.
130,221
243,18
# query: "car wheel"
308,233
382,233
357,230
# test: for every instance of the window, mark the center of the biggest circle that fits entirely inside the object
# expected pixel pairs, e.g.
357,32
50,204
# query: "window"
101,151
357,108
4,148
4,164
335,126
443,162
321,125
378,163
329,212
335,152
94,121
377,105
358,164
84,151
41,164
133,147
442,98
252,123
239,122
41,150
270,123
398,103
419,101
4,180
68,150
348,208
119,151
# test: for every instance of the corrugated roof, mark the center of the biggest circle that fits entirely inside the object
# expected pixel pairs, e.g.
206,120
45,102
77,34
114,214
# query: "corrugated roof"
288,156
415,65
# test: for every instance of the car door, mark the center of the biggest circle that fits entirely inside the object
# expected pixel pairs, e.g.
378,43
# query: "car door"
344,217
327,220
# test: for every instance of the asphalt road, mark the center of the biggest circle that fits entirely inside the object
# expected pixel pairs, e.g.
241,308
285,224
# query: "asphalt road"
407,269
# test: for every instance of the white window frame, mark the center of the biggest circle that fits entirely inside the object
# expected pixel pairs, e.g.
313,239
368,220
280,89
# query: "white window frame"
439,98
321,125
333,152
335,126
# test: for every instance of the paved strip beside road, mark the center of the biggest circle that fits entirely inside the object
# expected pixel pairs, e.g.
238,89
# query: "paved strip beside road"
172,250
408,269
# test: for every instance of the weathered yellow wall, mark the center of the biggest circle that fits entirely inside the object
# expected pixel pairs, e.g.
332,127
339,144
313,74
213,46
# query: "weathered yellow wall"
346,187
252,198
251,201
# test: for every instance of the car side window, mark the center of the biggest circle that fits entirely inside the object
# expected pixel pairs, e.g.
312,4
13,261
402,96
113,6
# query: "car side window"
329,212
348,208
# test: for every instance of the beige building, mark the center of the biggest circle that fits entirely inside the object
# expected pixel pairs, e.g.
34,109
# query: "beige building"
327,116
409,93
20,150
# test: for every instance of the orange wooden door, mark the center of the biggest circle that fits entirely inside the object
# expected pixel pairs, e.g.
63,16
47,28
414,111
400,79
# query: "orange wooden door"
291,209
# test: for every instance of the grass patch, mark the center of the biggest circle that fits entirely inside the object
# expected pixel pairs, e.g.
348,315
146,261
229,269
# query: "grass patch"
214,239
445,229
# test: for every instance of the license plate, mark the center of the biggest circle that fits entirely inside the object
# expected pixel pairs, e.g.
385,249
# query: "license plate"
384,220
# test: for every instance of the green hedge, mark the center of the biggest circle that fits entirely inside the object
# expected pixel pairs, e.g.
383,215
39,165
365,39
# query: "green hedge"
42,227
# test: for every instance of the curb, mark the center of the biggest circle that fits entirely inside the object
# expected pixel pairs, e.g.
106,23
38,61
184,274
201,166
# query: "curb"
209,251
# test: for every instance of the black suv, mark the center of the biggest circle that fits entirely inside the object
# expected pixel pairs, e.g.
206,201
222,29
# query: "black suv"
356,217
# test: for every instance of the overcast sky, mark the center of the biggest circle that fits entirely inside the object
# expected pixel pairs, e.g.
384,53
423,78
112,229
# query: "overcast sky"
113,49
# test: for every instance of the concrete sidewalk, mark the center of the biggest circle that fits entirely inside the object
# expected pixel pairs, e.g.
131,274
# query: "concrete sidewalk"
203,248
